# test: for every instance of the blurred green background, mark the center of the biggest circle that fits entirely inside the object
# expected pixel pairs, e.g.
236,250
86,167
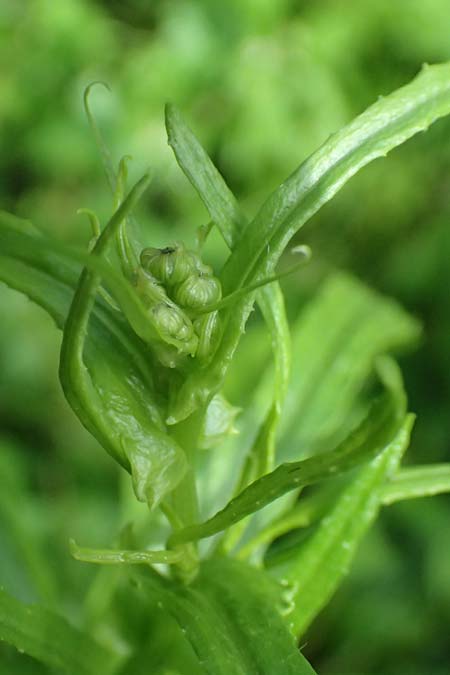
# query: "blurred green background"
263,83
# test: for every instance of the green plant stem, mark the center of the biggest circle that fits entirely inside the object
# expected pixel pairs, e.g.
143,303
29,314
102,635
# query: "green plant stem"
184,500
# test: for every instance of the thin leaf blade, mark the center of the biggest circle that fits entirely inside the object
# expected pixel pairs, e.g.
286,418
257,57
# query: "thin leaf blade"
369,438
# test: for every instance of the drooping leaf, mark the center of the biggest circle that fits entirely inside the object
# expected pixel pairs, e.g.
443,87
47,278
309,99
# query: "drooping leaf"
50,639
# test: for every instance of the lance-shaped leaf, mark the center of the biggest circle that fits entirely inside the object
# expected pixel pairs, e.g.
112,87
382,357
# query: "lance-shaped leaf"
370,437
231,616
50,639
119,406
385,125
226,213
314,569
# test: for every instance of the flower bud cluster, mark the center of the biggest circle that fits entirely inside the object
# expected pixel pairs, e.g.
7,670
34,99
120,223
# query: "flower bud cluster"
177,284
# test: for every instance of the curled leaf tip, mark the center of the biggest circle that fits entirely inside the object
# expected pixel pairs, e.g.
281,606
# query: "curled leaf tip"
87,90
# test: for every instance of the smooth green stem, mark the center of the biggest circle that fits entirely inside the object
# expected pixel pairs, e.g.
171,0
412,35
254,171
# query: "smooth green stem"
184,500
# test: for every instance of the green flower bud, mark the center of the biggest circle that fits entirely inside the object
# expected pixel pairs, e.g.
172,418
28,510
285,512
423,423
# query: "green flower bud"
197,291
173,323
149,290
170,265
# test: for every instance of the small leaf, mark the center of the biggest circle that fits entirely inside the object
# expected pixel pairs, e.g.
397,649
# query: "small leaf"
51,640
218,423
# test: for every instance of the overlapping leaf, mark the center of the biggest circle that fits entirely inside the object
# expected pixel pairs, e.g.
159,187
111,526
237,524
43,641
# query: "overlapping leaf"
385,125
227,215
370,437
123,413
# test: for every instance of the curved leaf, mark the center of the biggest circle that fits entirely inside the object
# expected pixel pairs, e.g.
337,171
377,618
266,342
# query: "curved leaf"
417,481
372,435
124,415
385,125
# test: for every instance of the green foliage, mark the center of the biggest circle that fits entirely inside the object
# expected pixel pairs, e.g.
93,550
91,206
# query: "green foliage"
148,342
50,639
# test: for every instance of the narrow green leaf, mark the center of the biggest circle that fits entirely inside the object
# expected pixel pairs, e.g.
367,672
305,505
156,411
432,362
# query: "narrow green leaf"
225,212
385,125
312,572
50,639
23,552
205,178
417,481
368,439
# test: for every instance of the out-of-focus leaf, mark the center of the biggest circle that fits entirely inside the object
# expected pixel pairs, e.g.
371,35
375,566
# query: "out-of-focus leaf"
230,615
50,639
417,481
313,570
23,563
331,366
